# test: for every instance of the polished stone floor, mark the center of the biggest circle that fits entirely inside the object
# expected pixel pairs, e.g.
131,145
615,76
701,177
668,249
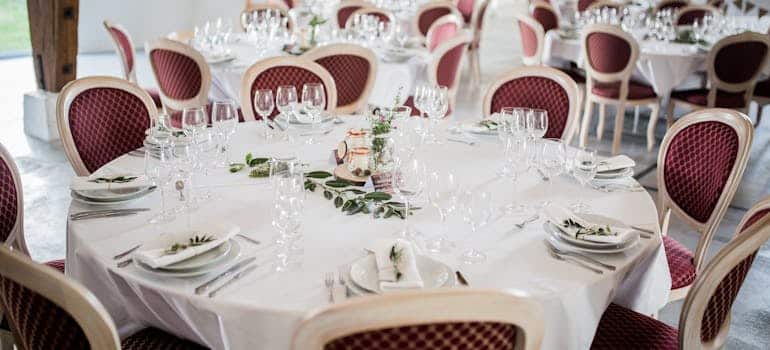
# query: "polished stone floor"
46,173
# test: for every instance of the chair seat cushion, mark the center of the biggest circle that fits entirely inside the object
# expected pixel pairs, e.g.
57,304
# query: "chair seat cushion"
622,328
700,97
155,339
680,263
155,96
762,89
57,264
636,91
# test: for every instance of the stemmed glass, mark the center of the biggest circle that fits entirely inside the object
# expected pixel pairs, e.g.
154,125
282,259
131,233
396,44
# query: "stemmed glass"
537,123
286,100
313,101
552,161
288,206
193,122
409,182
443,195
159,170
437,106
584,169
421,95
224,119
477,211
264,105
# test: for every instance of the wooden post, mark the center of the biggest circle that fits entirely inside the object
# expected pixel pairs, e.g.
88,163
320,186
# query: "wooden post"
53,26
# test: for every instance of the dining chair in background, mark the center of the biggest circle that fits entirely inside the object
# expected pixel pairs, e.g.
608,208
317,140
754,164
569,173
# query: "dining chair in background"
606,4
670,5
538,87
734,64
532,35
277,71
353,68
689,14
468,319
610,59
442,30
259,8
583,5
700,165
100,119
704,321
762,98
383,15
431,12
476,27
466,9
545,14
124,46
346,8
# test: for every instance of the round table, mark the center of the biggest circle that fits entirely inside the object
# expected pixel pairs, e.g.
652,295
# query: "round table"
263,310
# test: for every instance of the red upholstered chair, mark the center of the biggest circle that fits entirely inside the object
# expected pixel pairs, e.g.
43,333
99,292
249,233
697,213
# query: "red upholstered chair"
532,39
100,119
182,74
476,25
46,310
382,15
538,87
689,14
283,10
124,46
762,97
346,8
583,5
466,8
545,14
700,164
469,319
353,68
670,5
274,72
442,30
444,69
429,13
605,4
734,64
611,56
705,318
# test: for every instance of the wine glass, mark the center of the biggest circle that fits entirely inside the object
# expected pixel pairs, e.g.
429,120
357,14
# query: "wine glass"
477,211
159,170
193,121
552,161
437,108
409,182
264,105
286,100
224,119
537,123
286,212
442,194
584,167
313,101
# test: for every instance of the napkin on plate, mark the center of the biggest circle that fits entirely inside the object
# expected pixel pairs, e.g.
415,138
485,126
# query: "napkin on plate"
108,182
615,163
407,265
157,257
557,215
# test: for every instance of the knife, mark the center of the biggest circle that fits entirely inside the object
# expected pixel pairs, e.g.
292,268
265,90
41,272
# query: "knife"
461,278
202,288
106,211
105,215
238,276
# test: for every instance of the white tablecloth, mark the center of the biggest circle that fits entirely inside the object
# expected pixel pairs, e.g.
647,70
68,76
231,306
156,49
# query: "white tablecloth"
263,310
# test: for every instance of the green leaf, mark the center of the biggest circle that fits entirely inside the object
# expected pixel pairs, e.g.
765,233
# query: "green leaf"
236,167
354,190
347,205
318,174
310,186
257,161
328,195
388,213
377,196
338,183
357,209
249,157
337,202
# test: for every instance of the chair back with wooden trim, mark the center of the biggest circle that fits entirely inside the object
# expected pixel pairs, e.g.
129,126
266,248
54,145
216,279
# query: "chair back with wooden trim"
437,319
583,5
538,87
705,319
605,4
545,14
259,8
100,119
353,68
431,12
182,74
700,165
11,203
610,55
382,15
444,70
689,14
670,5
442,30
734,64
46,310
277,71
532,39
283,4
477,23
346,8
466,9
125,48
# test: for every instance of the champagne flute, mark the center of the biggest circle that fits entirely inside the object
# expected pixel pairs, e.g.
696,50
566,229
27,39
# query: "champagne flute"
552,161
442,194
264,106
313,101
477,211
584,169
224,118
159,170
438,107
409,182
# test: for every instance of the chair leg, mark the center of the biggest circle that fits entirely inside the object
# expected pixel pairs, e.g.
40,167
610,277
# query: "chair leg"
620,116
636,119
654,114
476,67
600,125
586,123
759,115
670,113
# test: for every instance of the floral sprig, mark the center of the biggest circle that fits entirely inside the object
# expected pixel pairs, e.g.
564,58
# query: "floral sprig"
114,180
260,167
192,242
489,124
582,230
395,258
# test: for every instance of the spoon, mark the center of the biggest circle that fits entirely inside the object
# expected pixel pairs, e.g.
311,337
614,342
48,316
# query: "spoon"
179,185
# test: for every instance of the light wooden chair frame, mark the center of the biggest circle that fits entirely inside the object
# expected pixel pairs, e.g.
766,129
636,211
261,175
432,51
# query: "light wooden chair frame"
741,124
624,77
261,66
570,87
266,6
542,4
72,90
202,97
128,73
531,22
689,8
16,239
423,307
716,84
251,6
354,50
371,10
463,37
358,4
605,3
665,3
431,6
77,301
474,57
450,18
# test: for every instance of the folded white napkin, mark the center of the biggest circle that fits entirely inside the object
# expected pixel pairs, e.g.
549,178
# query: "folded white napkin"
102,182
615,163
557,215
407,265
155,255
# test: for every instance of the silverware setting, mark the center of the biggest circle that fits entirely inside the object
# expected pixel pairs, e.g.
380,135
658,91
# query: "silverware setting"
238,276
527,221
329,283
252,240
549,243
125,253
230,271
459,140
341,278
315,133
644,233
83,214
461,278
615,187
125,263
574,260
104,215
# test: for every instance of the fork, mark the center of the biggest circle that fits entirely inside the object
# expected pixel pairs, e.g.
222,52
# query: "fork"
529,220
583,257
578,262
329,282
129,251
342,282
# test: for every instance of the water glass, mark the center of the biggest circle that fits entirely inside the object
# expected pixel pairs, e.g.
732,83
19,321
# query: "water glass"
224,119
477,211
443,191
409,182
584,169
313,101
264,105
537,123
159,170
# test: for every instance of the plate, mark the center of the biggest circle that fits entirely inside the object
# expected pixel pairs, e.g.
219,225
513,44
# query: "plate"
226,261
201,260
325,118
81,199
613,249
113,195
435,274
615,174
589,244
220,59
475,128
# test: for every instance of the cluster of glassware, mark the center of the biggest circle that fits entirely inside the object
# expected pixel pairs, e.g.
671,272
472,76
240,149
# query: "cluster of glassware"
286,100
364,29
211,39
604,15
400,8
287,179
265,27
713,28
433,102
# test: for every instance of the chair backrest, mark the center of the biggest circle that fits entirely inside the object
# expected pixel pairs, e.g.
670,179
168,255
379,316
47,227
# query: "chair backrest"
274,72
11,203
583,5
284,4
442,30
346,8
705,319
545,14
734,64
466,8
382,15
353,68
701,162
430,13
444,70
244,19
100,119
602,4
689,14
465,318
610,55
125,48
532,39
182,74
538,87
670,4
46,310
477,22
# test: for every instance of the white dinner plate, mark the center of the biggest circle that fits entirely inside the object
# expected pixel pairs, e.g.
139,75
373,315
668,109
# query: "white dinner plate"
80,199
326,117
552,230
201,260
113,195
226,261
434,274
614,174
475,128
220,58
590,244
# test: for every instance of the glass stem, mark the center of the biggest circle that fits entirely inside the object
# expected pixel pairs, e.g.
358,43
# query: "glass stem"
406,216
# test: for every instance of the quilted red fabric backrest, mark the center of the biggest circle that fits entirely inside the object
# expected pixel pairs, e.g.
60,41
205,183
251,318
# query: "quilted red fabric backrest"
691,16
536,92
276,76
546,18
738,62
344,13
179,76
607,53
124,44
38,322
449,66
582,5
9,201
350,73
466,9
437,336
528,39
722,301
106,123
442,33
698,163
427,18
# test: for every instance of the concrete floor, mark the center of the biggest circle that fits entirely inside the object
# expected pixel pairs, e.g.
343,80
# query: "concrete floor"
46,172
